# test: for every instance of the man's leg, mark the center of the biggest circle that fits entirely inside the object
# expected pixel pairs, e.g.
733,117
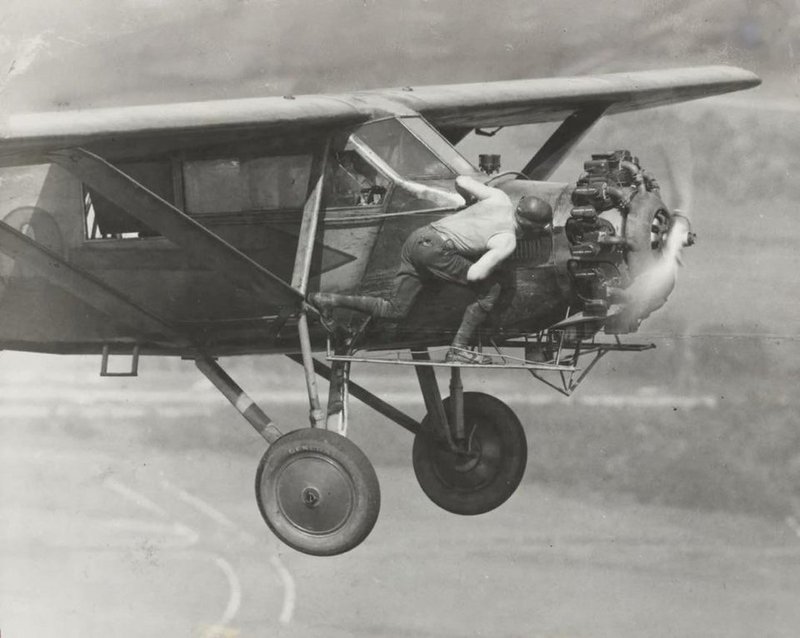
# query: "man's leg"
474,317
326,302
407,286
451,266
396,306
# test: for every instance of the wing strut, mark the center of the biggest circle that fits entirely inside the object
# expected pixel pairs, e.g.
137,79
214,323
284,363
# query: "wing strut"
300,275
200,243
238,399
367,397
561,142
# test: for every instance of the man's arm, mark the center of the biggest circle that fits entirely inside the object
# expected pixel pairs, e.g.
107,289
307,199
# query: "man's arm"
500,248
431,193
471,188
439,196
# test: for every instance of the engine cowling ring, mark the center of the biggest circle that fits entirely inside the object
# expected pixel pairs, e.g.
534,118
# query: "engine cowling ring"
646,226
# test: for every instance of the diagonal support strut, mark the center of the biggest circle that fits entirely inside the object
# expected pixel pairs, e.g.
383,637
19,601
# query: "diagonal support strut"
196,240
561,142
366,397
239,399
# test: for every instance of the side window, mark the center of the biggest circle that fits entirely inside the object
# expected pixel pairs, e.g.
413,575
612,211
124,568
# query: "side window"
234,185
351,181
105,220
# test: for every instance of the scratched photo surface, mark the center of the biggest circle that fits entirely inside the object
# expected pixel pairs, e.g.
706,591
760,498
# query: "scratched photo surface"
662,499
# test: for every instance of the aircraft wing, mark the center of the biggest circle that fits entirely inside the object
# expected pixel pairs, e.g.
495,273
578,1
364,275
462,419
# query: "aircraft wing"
177,124
455,106
515,102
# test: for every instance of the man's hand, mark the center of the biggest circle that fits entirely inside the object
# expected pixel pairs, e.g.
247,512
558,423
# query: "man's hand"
500,248
478,271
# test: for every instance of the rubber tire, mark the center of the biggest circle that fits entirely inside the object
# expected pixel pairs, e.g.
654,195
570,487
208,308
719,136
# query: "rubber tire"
502,459
337,458
644,208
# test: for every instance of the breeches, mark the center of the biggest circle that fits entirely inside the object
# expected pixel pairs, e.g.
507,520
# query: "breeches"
426,255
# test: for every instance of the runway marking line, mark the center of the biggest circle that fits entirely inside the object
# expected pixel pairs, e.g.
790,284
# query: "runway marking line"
290,593
209,510
286,578
234,601
186,536
135,497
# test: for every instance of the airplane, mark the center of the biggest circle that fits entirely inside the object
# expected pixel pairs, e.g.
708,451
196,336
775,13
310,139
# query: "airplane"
198,230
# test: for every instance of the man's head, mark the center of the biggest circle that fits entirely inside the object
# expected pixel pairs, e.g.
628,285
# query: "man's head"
532,213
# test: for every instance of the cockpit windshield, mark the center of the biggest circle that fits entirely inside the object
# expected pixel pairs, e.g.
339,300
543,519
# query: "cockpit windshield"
414,149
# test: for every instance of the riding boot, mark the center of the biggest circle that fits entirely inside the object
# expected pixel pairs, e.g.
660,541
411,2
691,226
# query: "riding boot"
326,302
474,316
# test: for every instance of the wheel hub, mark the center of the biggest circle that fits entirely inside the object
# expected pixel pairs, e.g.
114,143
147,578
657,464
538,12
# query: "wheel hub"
315,494
466,460
311,497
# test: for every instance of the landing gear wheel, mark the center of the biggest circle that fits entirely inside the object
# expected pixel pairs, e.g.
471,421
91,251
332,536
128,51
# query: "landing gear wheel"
318,492
484,477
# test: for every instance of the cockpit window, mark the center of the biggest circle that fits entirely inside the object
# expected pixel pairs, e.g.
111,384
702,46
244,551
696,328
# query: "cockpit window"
381,159
433,140
352,181
403,151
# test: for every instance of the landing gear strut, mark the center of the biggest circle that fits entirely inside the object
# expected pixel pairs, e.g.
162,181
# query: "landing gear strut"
486,471
471,451
316,490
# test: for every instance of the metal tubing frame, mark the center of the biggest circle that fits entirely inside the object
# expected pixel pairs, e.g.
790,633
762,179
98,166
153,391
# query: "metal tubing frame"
569,381
134,369
505,365
239,399
366,397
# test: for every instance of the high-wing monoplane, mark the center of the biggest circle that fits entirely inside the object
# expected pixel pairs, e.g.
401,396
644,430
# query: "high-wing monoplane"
198,229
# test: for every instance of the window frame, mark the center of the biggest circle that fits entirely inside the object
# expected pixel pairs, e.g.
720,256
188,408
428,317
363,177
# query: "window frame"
436,132
245,213
400,119
89,211
357,146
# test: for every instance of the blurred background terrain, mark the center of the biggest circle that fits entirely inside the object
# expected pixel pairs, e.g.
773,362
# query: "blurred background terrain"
708,422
